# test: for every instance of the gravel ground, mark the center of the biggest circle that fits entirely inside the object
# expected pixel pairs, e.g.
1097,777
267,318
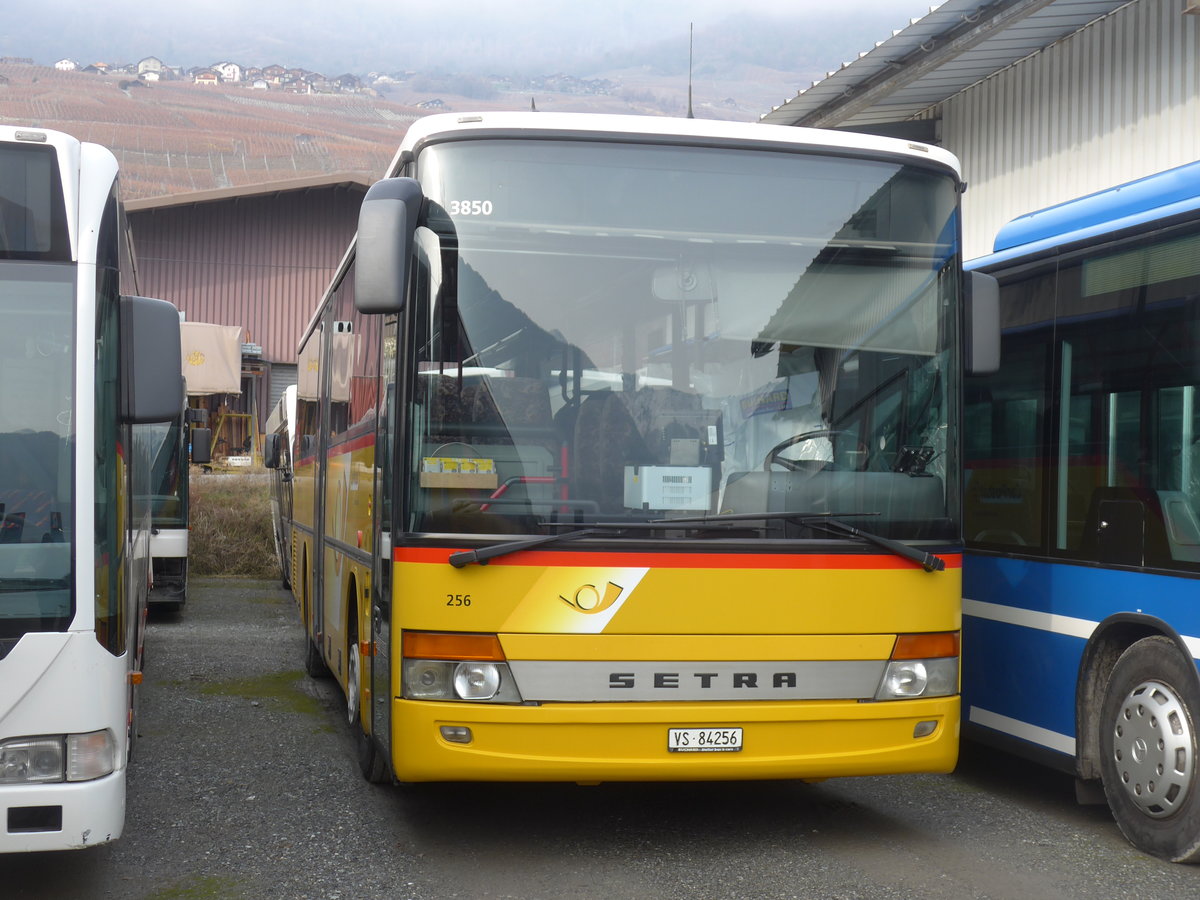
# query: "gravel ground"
244,786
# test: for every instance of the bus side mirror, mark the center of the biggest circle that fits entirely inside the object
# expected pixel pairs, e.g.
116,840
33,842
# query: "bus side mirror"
201,445
982,324
271,451
151,361
387,221
197,415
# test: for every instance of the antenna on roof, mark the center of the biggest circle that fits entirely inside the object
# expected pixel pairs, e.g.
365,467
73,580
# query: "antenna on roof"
691,34
532,105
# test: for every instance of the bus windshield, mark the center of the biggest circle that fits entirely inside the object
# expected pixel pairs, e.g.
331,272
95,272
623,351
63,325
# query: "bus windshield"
632,332
167,497
36,446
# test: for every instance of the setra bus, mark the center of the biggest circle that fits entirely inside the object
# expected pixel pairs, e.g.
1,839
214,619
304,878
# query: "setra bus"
1080,623
625,450
80,365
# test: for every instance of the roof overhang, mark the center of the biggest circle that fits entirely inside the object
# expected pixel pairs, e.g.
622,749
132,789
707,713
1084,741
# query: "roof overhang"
271,188
957,44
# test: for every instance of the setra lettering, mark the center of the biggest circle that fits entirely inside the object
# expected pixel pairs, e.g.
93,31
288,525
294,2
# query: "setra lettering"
708,680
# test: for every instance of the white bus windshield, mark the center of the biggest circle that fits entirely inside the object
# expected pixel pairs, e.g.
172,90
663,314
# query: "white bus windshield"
36,446
638,331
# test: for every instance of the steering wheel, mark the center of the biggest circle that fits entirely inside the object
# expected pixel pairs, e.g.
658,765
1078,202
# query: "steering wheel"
801,465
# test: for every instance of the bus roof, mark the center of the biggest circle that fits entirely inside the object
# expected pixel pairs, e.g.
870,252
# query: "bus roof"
1153,198
447,125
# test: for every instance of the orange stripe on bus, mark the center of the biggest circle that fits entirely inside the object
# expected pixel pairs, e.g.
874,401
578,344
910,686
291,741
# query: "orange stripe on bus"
541,558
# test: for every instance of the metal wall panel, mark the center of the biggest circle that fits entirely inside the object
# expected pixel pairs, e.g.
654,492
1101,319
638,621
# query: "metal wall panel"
1118,100
262,262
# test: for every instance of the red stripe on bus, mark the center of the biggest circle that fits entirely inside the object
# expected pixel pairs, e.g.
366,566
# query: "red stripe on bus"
349,444
441,556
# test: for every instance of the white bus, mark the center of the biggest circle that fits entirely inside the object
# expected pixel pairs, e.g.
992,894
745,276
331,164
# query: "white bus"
80,364
277,454
173,447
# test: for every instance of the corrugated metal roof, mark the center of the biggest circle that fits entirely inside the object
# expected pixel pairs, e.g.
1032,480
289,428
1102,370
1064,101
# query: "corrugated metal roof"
959,43
341,179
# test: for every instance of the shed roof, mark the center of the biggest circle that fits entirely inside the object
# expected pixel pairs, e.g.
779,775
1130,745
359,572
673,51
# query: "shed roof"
340,179
957,44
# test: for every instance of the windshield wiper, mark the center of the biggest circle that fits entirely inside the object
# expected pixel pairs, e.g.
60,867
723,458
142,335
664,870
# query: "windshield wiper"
483,554
830,522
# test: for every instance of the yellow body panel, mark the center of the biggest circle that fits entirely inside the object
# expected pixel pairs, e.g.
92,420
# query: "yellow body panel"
706,599
628,741
722,608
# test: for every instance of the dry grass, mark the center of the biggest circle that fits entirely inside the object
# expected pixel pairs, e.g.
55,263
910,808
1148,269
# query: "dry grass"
231,526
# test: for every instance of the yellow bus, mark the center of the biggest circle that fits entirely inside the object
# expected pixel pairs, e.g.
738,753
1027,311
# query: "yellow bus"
625,450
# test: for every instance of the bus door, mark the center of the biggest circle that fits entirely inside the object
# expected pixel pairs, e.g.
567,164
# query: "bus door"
321,448
378,663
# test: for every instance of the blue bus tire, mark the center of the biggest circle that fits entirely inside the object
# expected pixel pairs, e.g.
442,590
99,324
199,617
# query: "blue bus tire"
1148,749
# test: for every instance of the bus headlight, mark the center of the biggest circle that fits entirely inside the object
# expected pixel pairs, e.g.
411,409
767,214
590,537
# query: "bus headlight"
452,666
476,681
444,679
922,665
54,758
32,760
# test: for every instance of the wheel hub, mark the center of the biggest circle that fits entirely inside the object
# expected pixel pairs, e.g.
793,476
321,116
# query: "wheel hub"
352,686
1153,748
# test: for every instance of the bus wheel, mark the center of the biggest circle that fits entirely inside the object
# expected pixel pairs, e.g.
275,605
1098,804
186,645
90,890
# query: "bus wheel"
1148,749
314,666
370,761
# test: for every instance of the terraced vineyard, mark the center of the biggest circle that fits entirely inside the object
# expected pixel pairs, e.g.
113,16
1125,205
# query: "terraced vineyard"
173,137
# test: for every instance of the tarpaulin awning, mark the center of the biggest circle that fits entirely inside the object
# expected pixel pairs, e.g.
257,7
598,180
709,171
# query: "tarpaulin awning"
212,358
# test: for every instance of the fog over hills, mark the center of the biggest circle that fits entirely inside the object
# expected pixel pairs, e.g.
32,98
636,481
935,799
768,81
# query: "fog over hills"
616,56
585,38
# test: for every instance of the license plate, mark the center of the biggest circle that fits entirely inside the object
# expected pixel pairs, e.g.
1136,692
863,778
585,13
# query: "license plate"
704,740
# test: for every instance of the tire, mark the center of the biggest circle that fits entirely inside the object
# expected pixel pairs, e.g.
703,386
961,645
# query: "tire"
314,666
1148,746
285,577
370,761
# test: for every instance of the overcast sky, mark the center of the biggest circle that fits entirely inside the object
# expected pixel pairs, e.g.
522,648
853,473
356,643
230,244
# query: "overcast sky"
385,35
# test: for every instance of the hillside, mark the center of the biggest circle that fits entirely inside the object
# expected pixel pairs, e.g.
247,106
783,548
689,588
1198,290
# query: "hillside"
177,137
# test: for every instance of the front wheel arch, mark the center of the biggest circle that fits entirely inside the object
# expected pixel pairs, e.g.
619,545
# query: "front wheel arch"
1112,637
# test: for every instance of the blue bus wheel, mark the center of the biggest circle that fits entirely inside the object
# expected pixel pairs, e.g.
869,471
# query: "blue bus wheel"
1148,746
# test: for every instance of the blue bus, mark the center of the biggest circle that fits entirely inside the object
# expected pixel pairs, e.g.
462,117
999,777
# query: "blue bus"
1081,617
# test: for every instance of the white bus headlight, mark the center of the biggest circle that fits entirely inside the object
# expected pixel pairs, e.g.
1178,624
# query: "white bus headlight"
428,679
90,756
476,680
905,679
32,760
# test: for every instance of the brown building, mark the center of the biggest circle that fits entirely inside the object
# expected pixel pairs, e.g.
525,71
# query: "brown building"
258,257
